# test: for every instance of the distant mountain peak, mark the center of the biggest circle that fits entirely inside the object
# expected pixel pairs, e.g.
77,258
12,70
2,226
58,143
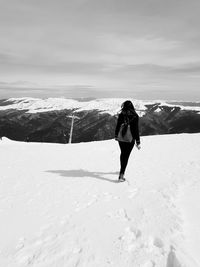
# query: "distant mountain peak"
105,105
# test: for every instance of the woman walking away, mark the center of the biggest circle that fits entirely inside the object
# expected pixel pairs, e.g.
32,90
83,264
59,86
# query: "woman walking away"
126,133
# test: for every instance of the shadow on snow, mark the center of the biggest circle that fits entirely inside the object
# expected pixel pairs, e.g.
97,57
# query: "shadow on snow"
84,173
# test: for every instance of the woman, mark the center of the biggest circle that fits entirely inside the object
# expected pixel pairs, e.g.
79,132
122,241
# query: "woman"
128,116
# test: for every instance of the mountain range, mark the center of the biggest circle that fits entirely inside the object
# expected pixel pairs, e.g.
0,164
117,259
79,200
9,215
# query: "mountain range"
49,120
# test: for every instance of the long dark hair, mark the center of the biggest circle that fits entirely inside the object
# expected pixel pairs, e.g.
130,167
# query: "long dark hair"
127,107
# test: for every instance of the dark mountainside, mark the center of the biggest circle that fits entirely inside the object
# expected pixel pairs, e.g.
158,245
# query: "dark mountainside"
93,125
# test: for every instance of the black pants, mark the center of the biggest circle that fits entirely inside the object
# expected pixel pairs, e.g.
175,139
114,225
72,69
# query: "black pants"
126,149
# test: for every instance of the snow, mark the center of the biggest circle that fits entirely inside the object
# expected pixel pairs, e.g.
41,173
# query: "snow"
108,105
157,110
60,205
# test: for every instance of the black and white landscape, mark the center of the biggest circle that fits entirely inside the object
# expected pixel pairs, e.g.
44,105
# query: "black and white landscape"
66,67
49,120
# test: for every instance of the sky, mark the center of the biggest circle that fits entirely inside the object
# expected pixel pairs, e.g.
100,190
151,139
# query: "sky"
145,49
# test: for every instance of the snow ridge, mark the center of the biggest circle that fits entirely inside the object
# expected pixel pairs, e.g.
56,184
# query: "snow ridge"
108,105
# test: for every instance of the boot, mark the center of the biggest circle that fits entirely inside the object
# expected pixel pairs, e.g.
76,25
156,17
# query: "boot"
121,177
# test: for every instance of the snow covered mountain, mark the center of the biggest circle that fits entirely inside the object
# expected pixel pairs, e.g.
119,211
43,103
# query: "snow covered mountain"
49,120
107,105
60,205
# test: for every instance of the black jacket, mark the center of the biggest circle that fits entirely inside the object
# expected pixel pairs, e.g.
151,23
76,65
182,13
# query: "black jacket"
133,120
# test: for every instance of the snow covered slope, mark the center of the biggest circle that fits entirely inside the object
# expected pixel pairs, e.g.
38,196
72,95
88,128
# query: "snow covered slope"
60,205
109,105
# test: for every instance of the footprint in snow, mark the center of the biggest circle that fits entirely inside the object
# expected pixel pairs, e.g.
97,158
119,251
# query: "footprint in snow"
133,193
109,197
131,239
61,243
82,206
119,214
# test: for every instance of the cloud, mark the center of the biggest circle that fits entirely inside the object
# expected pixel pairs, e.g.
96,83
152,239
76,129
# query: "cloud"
104,44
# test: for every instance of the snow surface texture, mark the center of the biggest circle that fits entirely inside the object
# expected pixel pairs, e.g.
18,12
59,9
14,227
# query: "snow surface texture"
108,105
61,205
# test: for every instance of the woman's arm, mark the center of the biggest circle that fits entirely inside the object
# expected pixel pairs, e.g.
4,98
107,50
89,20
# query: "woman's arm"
135,129
137,135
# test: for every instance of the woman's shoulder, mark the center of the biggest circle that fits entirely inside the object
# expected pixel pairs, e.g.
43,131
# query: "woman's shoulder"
120,116
131,115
